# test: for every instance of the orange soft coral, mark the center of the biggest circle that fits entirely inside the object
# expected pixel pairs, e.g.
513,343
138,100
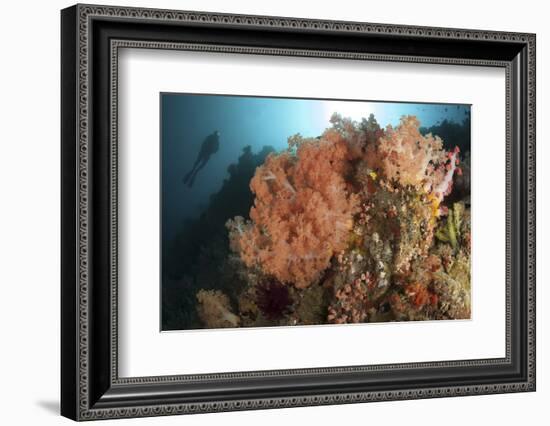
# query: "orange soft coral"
303,211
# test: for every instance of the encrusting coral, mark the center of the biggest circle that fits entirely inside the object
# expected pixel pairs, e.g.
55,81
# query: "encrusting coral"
352,226
351,301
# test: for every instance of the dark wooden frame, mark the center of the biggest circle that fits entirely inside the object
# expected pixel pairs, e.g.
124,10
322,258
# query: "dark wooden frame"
91,37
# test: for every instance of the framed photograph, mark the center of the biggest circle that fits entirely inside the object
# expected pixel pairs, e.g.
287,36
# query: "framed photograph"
263,212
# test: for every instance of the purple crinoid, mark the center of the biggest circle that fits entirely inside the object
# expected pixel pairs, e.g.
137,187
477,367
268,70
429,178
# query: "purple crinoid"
272,298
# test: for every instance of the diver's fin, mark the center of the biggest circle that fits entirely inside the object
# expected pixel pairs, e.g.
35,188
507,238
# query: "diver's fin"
187,176
191,181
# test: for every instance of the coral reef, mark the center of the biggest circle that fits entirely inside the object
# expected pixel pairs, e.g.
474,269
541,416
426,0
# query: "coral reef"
361,224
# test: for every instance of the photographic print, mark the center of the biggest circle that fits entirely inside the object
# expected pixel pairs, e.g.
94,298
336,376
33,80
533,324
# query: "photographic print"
302,212
323,185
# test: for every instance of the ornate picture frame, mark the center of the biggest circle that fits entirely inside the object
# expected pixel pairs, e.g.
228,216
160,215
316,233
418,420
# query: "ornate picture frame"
91,37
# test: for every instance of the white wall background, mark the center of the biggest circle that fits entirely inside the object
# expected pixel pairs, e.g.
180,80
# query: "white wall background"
29,212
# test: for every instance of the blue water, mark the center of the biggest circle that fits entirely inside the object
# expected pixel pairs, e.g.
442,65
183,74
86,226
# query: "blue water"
188,119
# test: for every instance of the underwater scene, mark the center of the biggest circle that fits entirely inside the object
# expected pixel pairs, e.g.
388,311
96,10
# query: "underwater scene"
293,212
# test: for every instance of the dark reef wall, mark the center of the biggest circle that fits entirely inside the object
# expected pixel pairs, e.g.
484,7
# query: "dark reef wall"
452,133
197,257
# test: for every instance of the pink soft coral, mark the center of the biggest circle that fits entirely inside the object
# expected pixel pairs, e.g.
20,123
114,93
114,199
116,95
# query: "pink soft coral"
303,211
408,158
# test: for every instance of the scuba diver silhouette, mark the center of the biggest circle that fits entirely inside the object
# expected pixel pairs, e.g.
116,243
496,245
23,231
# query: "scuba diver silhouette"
209,146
